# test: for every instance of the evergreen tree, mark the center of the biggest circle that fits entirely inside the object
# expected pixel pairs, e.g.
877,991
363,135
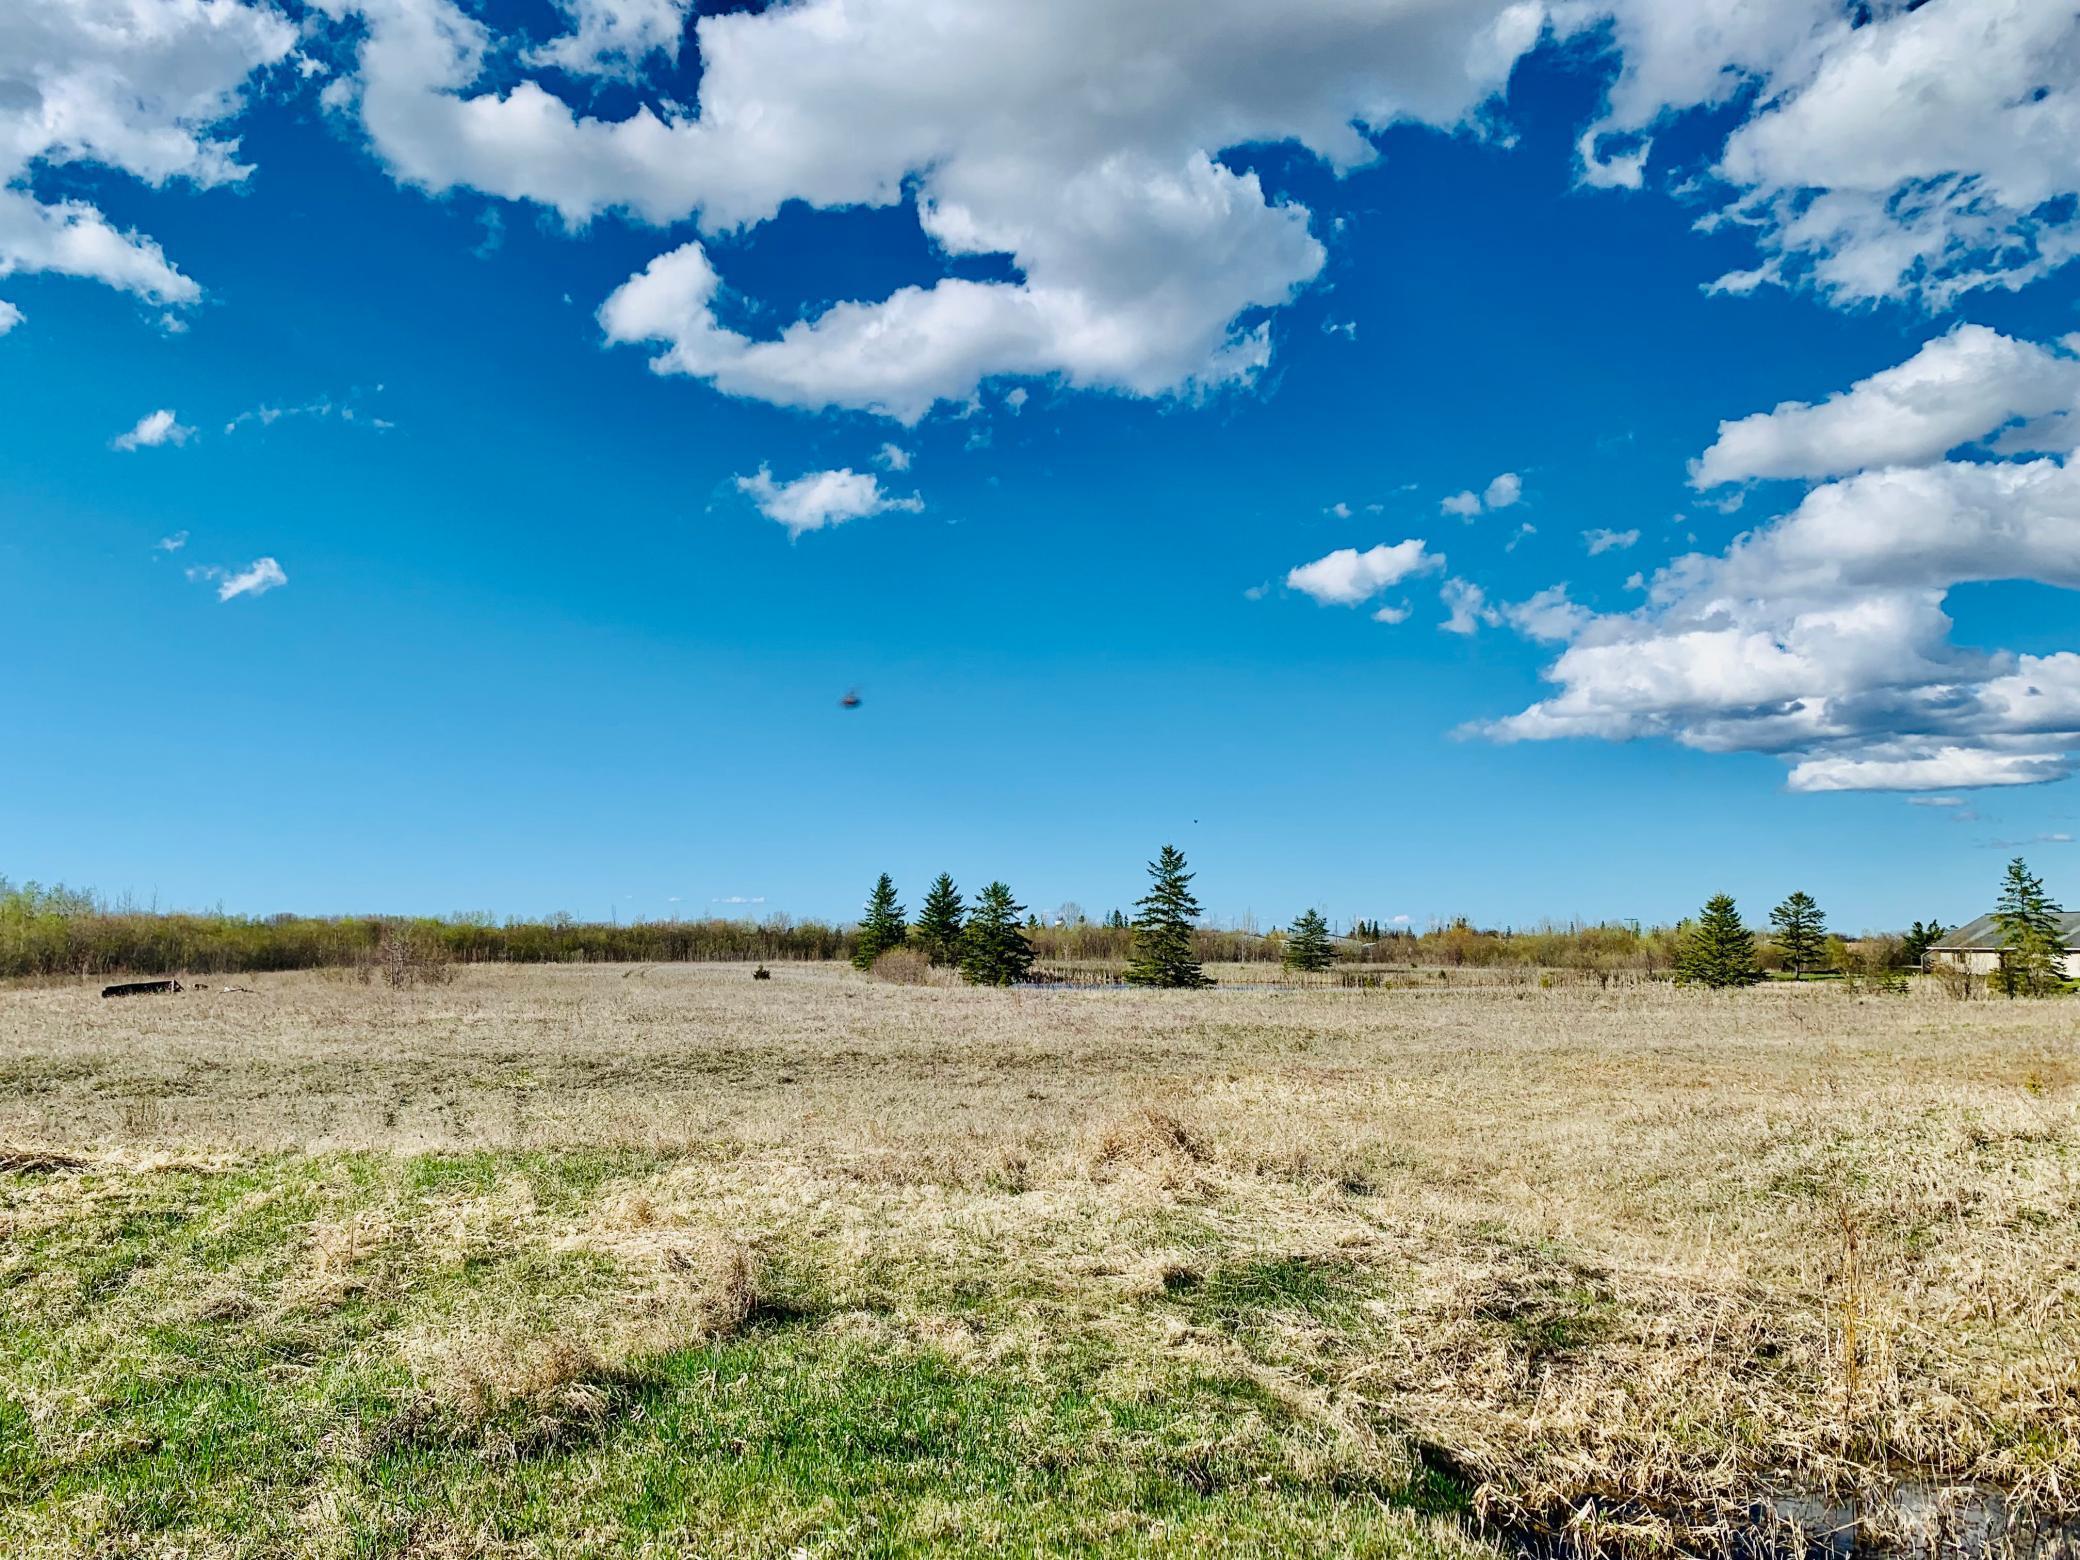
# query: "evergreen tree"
939,922
2028,919
1163,954
882,927
1914,946
994,952
1718,951
1307,943
1801,932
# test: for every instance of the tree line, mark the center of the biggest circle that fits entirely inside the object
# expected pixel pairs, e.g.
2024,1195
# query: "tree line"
986,942
46,932
57,931
1718,950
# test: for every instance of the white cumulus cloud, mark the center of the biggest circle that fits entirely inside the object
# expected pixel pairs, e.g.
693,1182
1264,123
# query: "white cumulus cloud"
1958,389
1346,576
152,430
1907,151
10,316
1081,139
1601,539
821,498
614,37
1504,491
131,85
1822,637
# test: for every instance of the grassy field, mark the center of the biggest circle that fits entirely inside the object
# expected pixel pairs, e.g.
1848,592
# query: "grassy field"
662,1261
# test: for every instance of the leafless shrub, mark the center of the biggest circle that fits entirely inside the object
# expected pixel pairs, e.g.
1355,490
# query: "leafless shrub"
1955,981
903,967
406,956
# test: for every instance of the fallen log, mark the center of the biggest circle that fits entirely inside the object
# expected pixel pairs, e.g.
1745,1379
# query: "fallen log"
140,988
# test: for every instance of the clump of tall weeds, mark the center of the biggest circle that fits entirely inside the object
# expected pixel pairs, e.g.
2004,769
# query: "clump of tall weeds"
406,957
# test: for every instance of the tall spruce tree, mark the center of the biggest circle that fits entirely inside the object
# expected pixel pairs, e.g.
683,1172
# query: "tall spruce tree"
1307,943
1163,953
1718,951
882,927
994,952
2028,920
940,922
1801,933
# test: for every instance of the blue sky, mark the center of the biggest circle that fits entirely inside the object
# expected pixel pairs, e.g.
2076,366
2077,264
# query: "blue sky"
428,593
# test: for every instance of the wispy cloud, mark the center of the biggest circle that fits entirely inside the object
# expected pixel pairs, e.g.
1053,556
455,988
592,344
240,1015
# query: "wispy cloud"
266,416
1466,607
1600,540
173,543
255,579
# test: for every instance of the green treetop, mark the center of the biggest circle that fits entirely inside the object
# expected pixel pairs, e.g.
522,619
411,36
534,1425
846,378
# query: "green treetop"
1920,938
2028,919
1718,951
939,922
1163,953
882,927
1307,943
994,952
1801,932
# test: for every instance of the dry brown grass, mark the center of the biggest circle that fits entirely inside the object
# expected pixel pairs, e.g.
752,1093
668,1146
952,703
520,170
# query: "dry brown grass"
1638,1250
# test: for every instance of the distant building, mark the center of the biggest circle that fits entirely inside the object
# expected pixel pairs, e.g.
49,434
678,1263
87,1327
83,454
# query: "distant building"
1976,947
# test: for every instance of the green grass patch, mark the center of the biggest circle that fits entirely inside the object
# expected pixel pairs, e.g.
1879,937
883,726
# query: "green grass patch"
250,1363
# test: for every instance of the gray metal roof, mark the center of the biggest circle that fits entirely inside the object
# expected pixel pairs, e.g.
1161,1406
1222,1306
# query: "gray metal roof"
1984,935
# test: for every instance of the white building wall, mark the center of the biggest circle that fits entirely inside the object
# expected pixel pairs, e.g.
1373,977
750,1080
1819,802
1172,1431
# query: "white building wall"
1988,961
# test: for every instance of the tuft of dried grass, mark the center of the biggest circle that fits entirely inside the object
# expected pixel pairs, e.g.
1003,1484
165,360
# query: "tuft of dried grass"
552,1380
1152,1141
38,1161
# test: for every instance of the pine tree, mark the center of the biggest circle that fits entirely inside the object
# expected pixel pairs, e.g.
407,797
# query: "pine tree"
1718,951
1801,932
939,923
2028,919
1163,954
1914,946
1307,943
882,927
994,952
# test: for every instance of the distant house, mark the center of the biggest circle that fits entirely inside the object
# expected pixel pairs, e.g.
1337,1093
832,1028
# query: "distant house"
1976,946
